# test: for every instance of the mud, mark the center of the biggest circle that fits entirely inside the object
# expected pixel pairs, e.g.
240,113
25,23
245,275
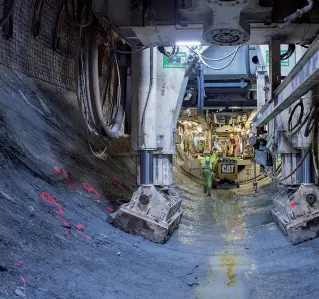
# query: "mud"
55,242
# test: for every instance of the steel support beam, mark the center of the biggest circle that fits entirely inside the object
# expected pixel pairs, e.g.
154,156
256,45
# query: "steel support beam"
303,77
274,65
226,84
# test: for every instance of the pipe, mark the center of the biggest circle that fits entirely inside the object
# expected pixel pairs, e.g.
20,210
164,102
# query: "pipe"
113,129
298,14
146,167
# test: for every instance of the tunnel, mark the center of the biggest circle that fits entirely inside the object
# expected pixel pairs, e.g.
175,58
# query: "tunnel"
64,179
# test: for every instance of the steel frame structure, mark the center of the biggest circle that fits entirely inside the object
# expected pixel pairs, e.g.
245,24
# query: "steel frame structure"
302,78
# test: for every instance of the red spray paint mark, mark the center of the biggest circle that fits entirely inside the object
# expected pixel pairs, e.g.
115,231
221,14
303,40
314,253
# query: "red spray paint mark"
293,204
64,222
110,209
163,90
68,232
47,197
84,234
90,190
66,176
50,158
22,279
117,183
130,179
80,226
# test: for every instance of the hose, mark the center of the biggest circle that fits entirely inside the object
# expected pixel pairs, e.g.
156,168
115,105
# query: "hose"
117,117
81,80
290,51
312,124
299,123
298,14
8,13
314,150
313,119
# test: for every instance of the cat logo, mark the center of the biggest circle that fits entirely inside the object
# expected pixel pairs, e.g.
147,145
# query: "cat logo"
227,168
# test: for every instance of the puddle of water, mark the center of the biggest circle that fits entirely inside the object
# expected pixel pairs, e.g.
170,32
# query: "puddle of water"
225,279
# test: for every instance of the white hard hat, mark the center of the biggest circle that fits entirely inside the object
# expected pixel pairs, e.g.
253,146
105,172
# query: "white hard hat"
206,152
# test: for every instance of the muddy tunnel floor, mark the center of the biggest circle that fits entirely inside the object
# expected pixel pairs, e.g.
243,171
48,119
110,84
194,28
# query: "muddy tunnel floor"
55,242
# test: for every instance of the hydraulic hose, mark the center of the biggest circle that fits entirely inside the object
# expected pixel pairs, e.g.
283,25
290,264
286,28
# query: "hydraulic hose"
8,13
290,51
298,14
82,88
112,129
312,121
300,123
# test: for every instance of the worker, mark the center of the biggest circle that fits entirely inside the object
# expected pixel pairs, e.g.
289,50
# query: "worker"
234,140
207,171
200,146
214,158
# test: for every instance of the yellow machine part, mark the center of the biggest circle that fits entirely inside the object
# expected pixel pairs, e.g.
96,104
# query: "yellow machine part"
227,169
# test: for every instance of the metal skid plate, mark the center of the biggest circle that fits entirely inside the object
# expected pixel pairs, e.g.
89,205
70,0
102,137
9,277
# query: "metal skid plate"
151,214
297,212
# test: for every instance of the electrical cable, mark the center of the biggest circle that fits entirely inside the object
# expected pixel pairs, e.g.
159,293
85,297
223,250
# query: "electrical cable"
8,13
174,52
218,68
215,59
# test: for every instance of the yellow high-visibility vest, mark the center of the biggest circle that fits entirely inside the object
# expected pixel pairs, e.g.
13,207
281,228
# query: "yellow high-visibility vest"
214,158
